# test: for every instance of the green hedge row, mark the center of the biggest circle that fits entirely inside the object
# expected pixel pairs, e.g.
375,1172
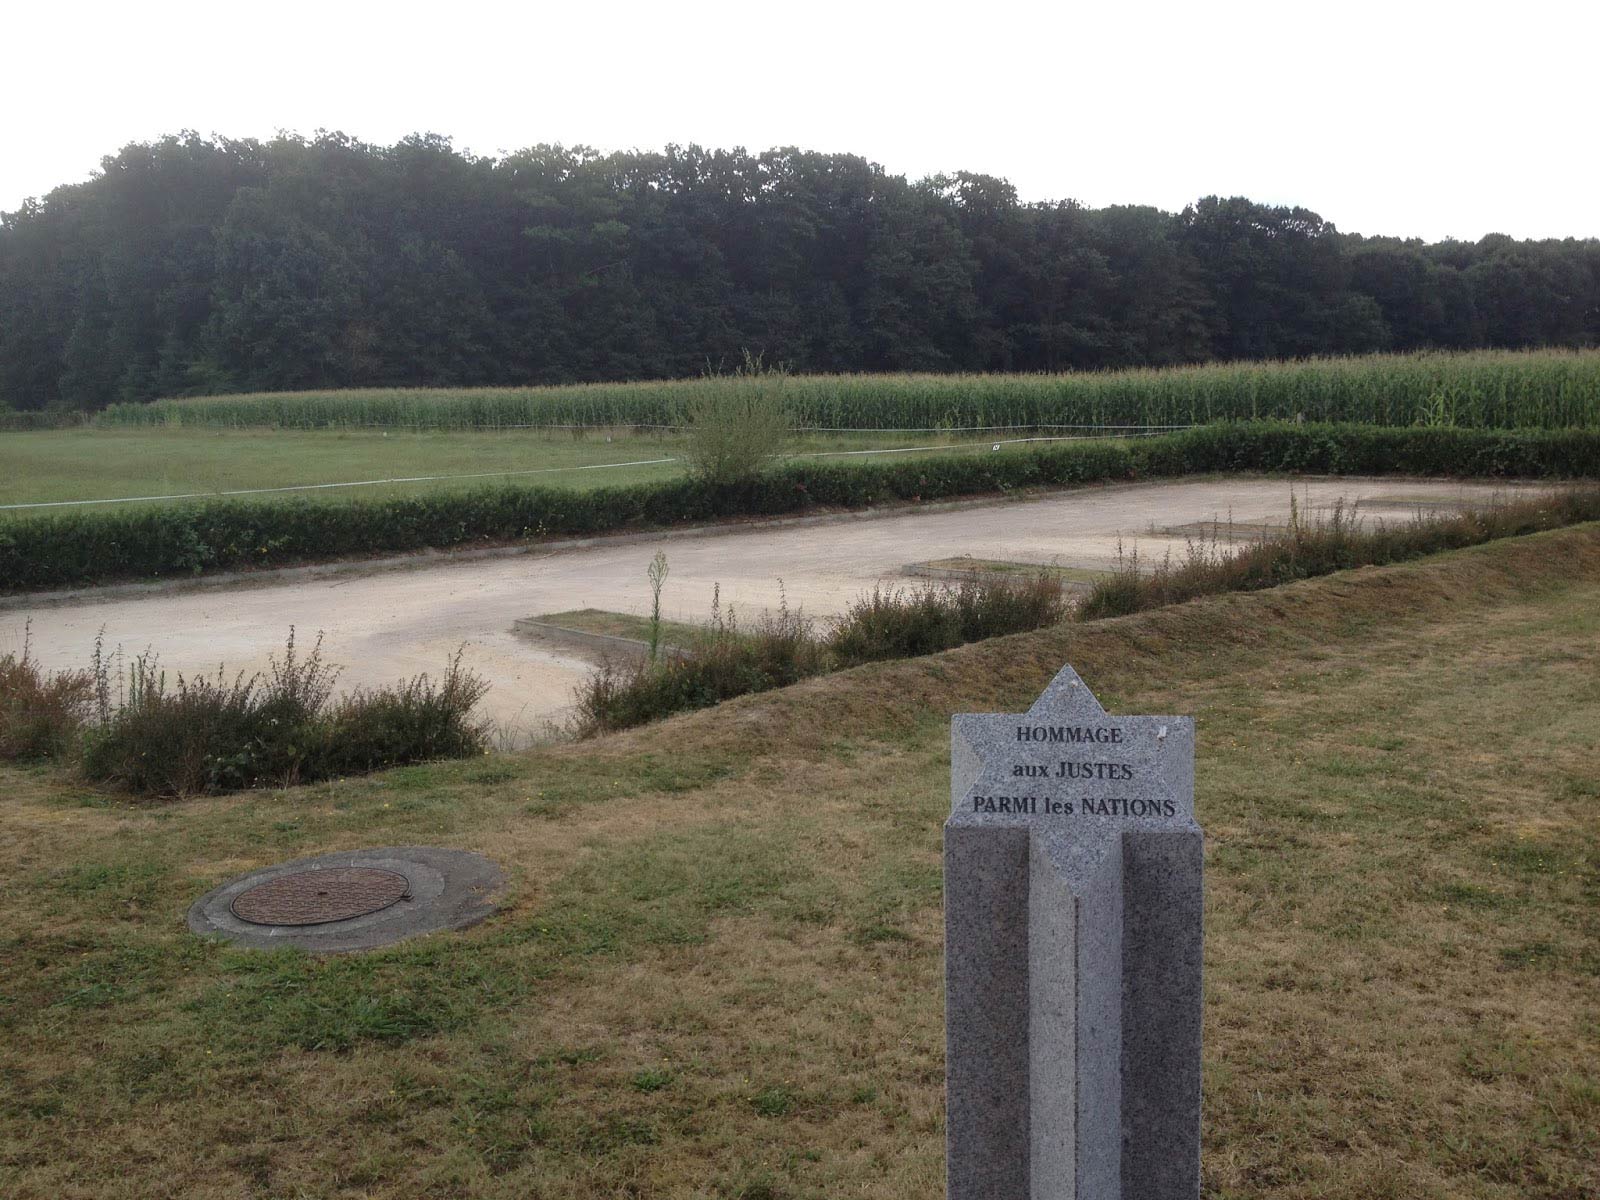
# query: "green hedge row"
188,539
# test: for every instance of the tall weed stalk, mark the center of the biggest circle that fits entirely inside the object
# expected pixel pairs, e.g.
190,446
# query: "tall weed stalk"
41,712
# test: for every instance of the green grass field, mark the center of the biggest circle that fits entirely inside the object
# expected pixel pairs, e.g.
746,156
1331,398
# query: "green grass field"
718,974
104,463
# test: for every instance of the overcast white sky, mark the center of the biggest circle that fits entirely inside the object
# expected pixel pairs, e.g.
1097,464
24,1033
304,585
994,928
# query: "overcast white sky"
1418,119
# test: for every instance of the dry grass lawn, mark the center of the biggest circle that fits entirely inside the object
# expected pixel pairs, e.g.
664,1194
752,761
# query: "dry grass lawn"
719,974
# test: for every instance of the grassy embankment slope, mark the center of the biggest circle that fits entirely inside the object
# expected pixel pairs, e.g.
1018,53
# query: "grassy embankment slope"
719,970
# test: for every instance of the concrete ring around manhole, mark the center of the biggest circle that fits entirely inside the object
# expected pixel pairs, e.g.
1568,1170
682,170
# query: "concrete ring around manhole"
354,900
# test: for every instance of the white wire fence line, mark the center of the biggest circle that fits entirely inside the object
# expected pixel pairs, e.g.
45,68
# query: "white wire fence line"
599,426
1144,431
354,483
1116,429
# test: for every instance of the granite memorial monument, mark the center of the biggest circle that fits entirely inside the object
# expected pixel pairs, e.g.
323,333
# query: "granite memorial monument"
1073,954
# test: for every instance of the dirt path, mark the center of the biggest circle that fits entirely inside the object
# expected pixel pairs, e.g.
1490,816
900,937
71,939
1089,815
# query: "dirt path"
386,625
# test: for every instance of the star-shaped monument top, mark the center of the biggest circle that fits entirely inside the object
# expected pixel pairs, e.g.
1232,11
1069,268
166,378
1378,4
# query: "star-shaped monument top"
1069,770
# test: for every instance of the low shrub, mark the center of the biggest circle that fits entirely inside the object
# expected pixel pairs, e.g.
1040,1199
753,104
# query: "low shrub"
188,539
40,712
724,662
1320,545
413,721
210,734
898,623
903,623
165,738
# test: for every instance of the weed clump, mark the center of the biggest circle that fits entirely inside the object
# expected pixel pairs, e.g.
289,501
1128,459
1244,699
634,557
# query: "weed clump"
903,623
140,731
417,720
723,662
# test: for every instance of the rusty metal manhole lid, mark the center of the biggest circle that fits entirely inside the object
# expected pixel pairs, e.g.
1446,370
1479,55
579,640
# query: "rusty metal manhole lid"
320,896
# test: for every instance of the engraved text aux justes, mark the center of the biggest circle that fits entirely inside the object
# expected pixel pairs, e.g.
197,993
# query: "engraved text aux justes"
1072,770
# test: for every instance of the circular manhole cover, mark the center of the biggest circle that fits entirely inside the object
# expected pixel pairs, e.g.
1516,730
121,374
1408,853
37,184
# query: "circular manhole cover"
330,903
317,897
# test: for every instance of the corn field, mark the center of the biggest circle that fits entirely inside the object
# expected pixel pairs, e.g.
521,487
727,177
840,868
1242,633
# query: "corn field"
1545,389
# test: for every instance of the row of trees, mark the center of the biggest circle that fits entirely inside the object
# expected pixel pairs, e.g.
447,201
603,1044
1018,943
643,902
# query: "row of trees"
201,265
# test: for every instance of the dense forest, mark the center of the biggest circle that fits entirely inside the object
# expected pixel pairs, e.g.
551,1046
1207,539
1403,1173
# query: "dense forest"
203,265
